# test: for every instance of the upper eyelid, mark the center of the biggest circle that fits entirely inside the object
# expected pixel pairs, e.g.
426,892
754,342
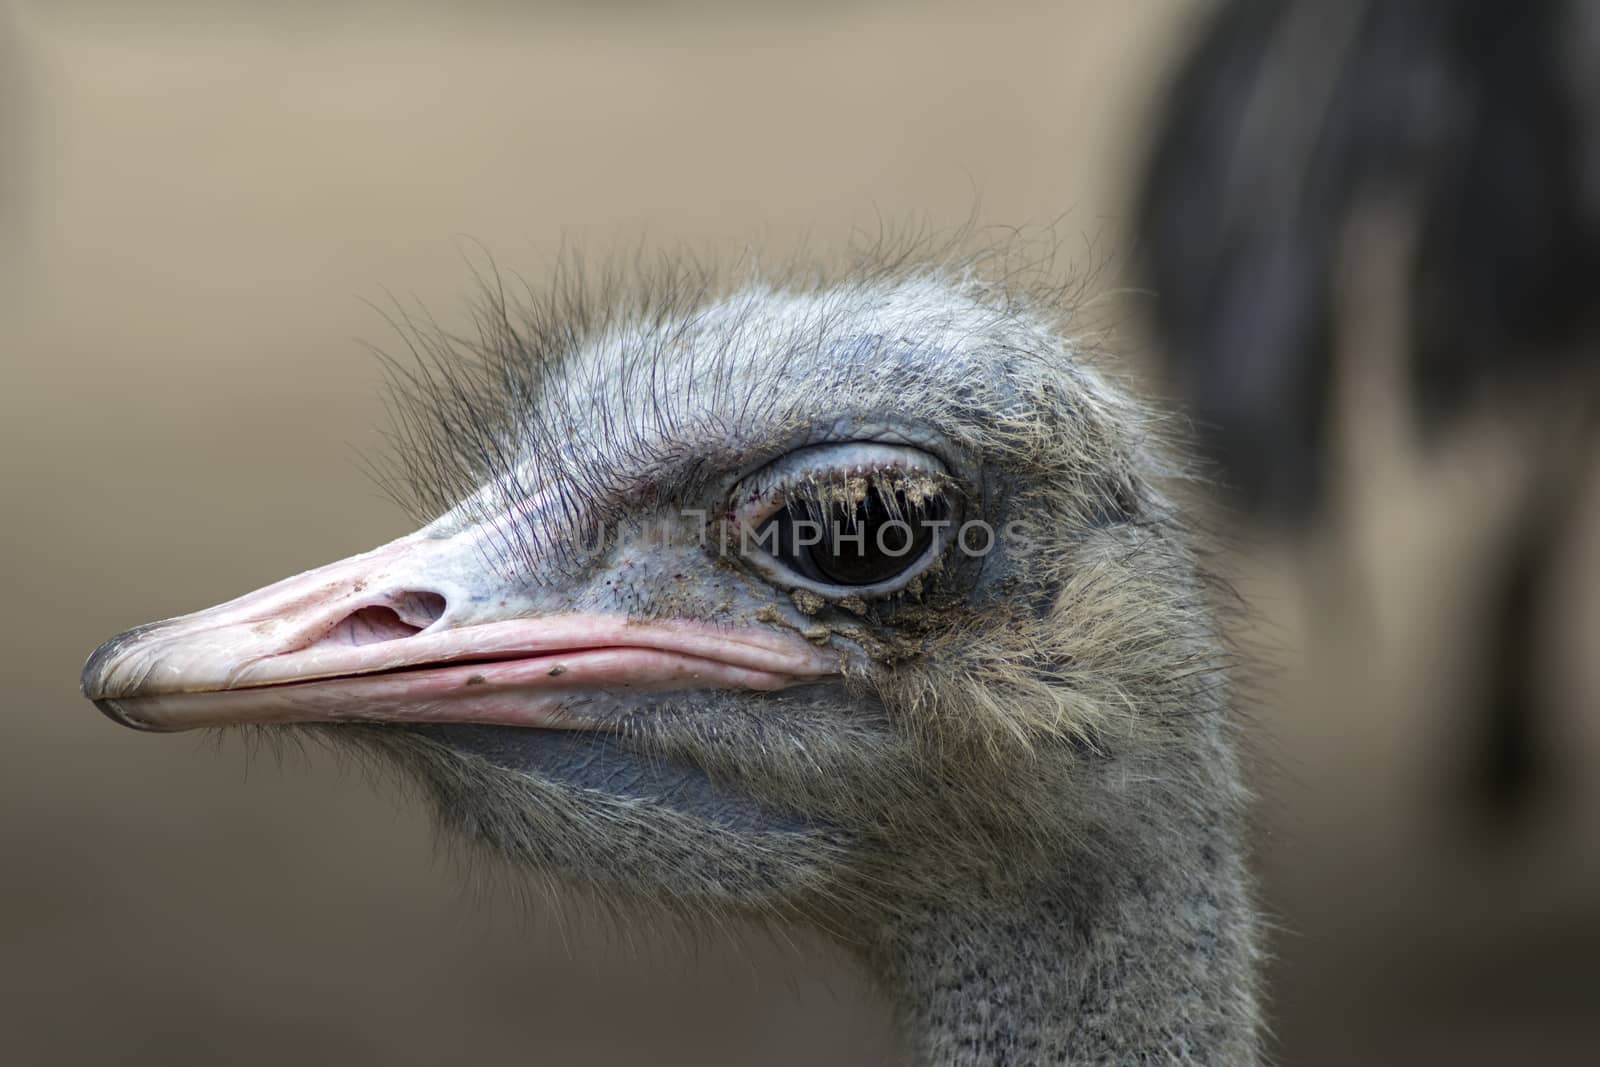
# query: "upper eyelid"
762,492
889,430
839,458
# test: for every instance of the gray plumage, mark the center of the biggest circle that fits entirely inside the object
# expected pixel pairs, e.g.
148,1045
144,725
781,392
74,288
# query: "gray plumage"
1017,801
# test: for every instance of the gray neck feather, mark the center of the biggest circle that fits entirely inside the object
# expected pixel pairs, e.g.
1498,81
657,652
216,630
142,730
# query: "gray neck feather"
1144,961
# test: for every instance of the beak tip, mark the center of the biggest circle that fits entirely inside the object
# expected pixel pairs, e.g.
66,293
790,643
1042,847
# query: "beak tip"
105,672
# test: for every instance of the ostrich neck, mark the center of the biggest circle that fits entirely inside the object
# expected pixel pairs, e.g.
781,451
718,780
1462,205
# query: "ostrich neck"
1150,962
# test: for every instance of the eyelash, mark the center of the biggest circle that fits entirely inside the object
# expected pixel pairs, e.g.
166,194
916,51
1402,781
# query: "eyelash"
815,470
822,490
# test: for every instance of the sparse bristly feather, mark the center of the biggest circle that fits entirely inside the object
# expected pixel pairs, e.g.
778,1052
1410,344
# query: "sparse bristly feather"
1008,783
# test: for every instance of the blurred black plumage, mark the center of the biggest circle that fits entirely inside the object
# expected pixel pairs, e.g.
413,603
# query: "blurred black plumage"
1287,123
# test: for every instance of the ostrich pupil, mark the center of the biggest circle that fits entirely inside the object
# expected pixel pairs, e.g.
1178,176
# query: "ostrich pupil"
860,543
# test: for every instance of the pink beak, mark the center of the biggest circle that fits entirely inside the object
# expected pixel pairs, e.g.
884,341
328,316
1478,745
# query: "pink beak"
407,633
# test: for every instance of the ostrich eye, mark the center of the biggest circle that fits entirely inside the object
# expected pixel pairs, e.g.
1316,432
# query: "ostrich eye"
862,518
864,541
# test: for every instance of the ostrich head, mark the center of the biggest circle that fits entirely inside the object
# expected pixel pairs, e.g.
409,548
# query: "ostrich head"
853,605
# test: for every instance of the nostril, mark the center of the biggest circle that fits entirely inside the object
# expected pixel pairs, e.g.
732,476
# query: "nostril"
418,608
402,614
368,626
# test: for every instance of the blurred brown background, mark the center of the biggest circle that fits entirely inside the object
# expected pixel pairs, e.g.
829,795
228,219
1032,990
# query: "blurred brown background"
195,202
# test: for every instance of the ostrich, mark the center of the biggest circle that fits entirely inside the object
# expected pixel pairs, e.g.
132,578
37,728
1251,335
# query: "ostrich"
1474,137
854,604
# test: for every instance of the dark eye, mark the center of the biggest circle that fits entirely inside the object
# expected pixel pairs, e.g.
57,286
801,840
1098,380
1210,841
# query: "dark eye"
866,541
857,518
